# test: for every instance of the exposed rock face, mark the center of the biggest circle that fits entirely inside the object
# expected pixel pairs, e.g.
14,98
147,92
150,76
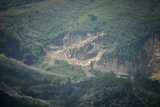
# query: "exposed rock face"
87,50
79,49
81,46
152,48
113,65
149,60
72,38
83,53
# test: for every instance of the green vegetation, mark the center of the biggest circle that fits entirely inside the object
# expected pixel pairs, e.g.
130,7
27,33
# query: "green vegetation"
8,100
13,3
109,91
18,81
63,68
27,27
20,70
36,24
24,86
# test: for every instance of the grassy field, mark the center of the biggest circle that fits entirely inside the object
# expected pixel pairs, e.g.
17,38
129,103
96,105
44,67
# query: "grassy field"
63,68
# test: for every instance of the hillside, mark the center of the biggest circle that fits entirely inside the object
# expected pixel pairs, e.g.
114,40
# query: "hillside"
27,30
30,88
21,85
79,53
18,81
34,26
4,5
10,98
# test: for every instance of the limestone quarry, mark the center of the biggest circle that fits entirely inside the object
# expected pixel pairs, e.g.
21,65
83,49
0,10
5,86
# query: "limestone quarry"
87,50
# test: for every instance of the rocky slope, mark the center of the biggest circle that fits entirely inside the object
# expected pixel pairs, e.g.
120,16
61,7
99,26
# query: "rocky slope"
87,50
146,59
52,47
33,26
78,50
75,27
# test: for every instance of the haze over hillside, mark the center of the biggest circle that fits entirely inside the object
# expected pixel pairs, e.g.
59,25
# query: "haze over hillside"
73,53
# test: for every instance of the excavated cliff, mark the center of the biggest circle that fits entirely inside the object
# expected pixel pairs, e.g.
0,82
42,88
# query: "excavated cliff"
29,26
77,48
147,59
94,50
152,47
